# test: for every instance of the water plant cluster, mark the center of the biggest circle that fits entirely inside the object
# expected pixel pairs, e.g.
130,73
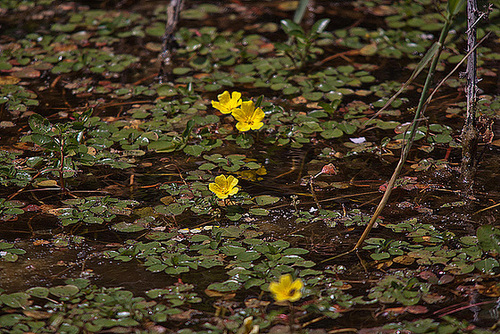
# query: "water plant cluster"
228,186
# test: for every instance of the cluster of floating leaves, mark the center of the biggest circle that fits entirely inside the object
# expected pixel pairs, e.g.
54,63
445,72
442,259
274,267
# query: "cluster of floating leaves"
430,246
79,306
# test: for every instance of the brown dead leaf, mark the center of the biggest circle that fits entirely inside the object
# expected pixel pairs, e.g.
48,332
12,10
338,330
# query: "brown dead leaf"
167,200
490,290
404,260
287,5
37,314
40,242
313,105
218,294
368,50
382,10
363,92
415,309
186,315
9,80
431,298
7,124
384,265
155,47
201,75
25,72
299,99
266,47
445,279
46,183
65,47
256,303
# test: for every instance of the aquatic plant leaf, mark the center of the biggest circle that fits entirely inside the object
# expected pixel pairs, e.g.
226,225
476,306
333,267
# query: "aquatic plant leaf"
78,282
64,291
248,256
15,300
380,256
258,212
489,238
455,6
39,292
487,266
9,320
194,150
226,286
39,124
266,199
292,29
128,227
320,26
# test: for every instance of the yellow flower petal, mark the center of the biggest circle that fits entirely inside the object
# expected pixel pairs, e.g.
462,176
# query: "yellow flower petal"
224,97
224,187
248,117
286,289
242,126
297,285
227,103
214,187
235,96
275,288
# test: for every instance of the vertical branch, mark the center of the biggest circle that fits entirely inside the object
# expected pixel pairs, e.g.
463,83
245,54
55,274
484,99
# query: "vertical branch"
168,39
469,133
62,157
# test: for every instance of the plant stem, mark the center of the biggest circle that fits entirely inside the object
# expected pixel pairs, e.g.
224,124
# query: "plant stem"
406,148
299,12
291,318
469,132
168,39
61,162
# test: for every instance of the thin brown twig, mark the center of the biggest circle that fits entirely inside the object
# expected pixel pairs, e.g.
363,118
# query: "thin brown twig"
343,330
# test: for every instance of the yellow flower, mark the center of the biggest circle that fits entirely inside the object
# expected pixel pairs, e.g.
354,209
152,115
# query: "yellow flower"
286,289
248,117
224,187
227,104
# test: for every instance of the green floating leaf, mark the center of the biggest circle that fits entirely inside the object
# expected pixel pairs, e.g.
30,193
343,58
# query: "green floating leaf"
489,238
487,265
173,209
332,133
258,212
64,290
16,300
10,257
380,256
248,256
194,150
227,286
9,320
78,282
266,199
128,227
38,291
